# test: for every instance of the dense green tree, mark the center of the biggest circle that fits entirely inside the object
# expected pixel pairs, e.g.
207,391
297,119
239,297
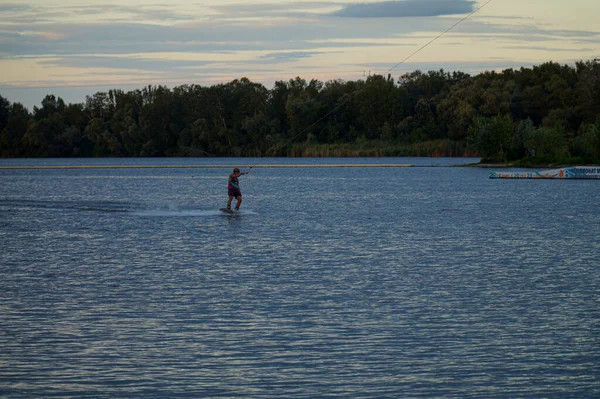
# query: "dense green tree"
492,137
51,105
4,112
377,104
304,116
160,119
587,88
551,110
587,142
43,137
15,127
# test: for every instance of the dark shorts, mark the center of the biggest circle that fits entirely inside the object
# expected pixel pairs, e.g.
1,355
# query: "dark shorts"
234,192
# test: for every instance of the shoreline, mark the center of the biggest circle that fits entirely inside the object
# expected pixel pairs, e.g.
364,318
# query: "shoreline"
532,166
485,165
264,166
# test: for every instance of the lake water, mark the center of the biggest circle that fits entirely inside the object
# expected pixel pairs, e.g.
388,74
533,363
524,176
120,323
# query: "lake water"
423,282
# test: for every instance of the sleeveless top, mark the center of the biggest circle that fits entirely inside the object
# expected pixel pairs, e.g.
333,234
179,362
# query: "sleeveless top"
234,183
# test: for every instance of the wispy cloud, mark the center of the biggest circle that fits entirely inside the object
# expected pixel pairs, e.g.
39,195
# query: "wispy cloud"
154,12
136,63
310,24
86,42
550,49
289,56
14,7
277,10
405,9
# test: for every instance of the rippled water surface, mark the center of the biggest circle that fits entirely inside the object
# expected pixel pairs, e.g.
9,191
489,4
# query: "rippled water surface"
421,282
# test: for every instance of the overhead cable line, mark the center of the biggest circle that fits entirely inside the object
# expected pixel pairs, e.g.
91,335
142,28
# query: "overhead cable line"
438,36
343,102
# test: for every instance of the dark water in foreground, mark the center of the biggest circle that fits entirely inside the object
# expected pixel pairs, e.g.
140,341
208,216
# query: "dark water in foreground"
347,283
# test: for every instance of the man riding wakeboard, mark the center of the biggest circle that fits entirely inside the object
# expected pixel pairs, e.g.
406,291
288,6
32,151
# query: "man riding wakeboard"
233,188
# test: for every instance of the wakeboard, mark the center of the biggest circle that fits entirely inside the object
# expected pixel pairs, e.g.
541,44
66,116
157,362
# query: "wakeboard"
229,211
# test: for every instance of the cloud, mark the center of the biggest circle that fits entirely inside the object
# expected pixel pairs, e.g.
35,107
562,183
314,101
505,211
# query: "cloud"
14,8
301,26
187,41
147,63
404,9
213,36
468,67
291,42
281,9
154,12
141,63
108,13
234,35
550,49
289,56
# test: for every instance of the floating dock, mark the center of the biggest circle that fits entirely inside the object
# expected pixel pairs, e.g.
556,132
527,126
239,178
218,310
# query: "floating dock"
573,172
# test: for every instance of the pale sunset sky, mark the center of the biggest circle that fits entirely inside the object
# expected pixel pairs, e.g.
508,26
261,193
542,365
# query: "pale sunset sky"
77,48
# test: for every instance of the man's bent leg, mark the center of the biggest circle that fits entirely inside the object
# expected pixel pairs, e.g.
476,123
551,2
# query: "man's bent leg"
229,202
239,201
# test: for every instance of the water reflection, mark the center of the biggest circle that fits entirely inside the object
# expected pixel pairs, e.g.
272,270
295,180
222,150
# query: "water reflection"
365,283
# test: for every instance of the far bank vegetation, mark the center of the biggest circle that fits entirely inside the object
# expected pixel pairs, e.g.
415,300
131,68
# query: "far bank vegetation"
548,113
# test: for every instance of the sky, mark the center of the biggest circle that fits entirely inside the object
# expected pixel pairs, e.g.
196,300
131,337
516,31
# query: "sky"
73,49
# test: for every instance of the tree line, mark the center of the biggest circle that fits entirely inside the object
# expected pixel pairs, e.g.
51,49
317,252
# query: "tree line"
547,113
